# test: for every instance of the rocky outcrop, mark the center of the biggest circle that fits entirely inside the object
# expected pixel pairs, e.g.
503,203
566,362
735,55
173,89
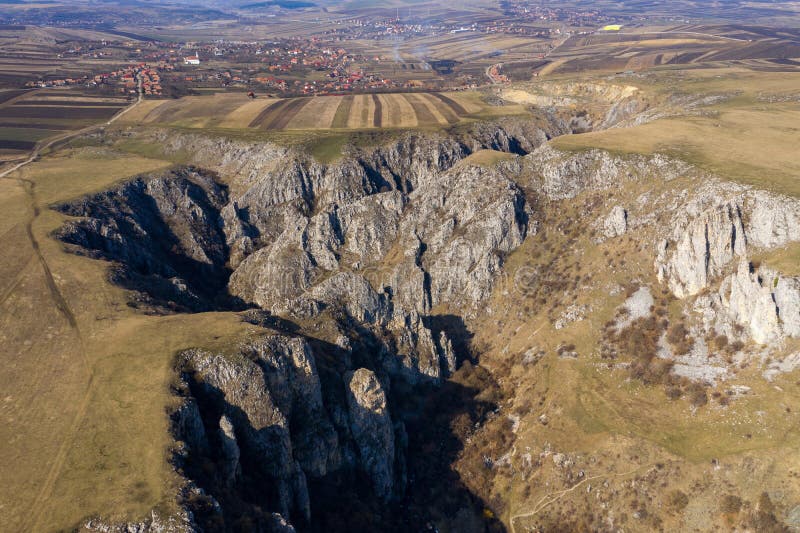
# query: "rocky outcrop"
267,416
561,175
155,523
701,249
442,242
766,303
716,227
773,220
268,411
229,452
372,428
615,223
716,230
165,232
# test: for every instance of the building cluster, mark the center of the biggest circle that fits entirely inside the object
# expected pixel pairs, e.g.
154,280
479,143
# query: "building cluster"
122,80
527,11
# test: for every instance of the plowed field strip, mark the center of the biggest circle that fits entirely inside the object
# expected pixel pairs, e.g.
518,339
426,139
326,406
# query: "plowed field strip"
285,116
261,117
443,110
457,108
424,115
343,112
377,117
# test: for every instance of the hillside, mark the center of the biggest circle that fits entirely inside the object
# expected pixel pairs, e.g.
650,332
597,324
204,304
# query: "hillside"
574,306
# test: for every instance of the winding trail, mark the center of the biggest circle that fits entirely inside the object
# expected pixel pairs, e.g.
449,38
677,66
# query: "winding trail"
553,497
38,508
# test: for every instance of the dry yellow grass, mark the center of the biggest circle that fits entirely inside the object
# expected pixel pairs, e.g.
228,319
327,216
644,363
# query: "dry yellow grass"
397,111
141,112
469,100
242,116
487,158
551,67
85,378
317,114
362,112
757,146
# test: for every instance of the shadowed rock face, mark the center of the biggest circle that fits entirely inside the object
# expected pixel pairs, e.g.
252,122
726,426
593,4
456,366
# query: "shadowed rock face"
372,428
164,232
369,246
290,430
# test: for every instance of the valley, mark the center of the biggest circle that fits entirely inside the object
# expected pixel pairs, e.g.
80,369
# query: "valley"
563,300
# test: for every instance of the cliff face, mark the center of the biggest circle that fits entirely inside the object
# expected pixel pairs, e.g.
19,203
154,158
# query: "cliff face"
366,249
165,232
713,238
367,274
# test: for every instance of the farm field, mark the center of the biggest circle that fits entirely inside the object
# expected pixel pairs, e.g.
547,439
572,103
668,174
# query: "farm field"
84,400
29,52
642,48
352,112
27,117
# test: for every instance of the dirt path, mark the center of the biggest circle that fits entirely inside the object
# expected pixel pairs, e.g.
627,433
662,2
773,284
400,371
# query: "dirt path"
61,303
70,135
553,497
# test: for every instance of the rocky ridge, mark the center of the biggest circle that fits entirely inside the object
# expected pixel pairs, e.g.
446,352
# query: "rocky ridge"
370,245
380,247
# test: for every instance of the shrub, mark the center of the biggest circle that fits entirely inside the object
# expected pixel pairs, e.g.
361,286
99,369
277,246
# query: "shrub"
737,346
678,336
697,395
721,341
673,393
730,504
677,500
763,518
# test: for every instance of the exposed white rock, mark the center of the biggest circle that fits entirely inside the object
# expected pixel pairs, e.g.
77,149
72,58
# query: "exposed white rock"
774,220
716,227
788,364
748,297
573,313
638,306
616,223
700,249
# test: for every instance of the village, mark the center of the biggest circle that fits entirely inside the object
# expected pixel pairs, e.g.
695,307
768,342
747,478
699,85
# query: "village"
355,55
358,54
293,66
